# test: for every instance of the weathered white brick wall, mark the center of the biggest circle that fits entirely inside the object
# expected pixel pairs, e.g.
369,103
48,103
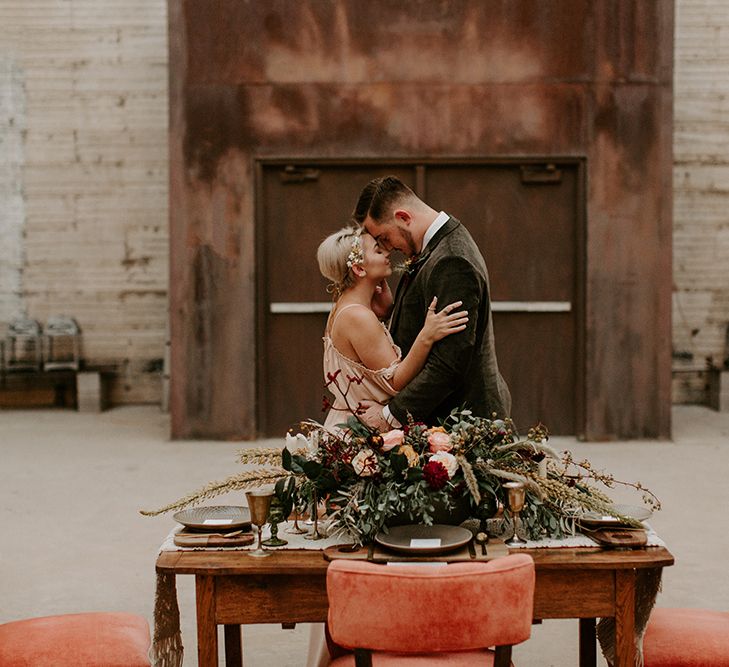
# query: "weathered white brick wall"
12,205
701,192
87,175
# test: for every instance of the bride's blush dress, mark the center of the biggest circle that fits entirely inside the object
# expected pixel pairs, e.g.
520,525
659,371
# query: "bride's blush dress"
373,385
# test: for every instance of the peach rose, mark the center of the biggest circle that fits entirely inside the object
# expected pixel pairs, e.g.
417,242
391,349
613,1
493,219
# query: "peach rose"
439,441
392,439
365,463
410,454
448,461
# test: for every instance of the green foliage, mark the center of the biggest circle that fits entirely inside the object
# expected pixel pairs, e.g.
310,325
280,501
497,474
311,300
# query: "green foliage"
365,485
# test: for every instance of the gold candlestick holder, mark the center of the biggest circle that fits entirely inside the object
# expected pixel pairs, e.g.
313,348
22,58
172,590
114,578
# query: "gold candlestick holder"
515,496
314,534
296,529
259,503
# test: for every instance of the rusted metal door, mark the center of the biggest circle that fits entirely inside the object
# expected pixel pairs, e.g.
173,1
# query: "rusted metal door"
525,217
299,205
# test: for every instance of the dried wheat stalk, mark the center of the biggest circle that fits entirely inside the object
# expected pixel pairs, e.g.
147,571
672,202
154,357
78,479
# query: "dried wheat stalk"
248,479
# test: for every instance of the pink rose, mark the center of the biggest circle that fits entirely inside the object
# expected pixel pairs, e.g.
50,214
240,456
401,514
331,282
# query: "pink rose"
439,441
392,439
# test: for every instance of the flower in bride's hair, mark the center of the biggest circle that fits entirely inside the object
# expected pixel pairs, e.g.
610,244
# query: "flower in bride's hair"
448,461
392,439
439,440
356,254
435,475
410,454
365,463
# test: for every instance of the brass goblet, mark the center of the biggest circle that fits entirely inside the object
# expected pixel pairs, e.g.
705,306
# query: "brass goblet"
515,498
259,503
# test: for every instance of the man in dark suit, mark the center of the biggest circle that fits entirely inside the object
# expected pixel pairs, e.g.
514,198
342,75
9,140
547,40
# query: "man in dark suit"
445,262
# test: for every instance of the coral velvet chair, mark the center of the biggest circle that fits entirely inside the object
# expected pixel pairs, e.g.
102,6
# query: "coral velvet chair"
687,638
415,615
99,639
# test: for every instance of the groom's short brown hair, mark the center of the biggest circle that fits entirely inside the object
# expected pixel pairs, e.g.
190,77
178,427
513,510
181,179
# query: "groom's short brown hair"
379,196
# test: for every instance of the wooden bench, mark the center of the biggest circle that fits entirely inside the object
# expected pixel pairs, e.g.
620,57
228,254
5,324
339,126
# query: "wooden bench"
86,390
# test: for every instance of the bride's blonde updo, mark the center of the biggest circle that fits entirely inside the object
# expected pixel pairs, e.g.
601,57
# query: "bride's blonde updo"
337,254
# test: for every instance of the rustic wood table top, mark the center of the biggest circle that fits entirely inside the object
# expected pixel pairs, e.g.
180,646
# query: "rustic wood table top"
289,561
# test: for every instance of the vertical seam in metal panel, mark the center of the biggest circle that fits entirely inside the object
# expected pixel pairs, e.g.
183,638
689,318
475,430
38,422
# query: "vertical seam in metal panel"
581,298
259,370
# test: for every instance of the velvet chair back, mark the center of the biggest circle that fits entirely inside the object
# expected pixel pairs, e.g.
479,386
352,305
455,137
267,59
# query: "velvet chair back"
416,609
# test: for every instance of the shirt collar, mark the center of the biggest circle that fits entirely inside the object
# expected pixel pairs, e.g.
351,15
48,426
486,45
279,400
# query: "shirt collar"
439,221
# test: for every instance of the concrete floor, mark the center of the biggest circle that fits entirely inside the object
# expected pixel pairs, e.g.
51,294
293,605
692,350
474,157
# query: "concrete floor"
72,539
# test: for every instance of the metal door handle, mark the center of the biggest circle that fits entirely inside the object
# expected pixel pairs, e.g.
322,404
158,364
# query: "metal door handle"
303,307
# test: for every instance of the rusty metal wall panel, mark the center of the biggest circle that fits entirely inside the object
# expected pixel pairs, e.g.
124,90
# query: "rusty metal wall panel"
420,78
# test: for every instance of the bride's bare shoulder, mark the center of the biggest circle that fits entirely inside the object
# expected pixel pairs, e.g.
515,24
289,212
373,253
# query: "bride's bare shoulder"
357,319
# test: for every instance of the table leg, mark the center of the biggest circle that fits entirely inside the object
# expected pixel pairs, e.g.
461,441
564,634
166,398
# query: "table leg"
588,643
207,630
625,618
233,647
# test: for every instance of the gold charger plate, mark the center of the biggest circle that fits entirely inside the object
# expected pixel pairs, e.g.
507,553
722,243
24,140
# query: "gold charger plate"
400,538
215,519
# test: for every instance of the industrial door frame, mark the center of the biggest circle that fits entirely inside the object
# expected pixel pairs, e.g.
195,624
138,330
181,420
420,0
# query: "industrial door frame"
578,162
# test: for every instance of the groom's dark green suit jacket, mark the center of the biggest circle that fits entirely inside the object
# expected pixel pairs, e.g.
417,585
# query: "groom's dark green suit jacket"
461,368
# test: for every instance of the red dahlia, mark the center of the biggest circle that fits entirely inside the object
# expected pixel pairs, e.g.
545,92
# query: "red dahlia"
435,475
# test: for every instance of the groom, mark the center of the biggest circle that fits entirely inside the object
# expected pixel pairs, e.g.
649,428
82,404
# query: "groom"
445,262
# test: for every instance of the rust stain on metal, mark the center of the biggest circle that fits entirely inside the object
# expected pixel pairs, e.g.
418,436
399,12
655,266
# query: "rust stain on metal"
414,78
216,120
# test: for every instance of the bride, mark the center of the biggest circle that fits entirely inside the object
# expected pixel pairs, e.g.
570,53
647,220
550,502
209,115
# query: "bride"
358,345
356,342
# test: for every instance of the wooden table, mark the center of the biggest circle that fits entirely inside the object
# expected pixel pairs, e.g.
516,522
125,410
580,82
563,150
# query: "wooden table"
289,587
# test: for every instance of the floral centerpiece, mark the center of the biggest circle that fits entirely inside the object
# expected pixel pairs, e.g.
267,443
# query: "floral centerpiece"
366,477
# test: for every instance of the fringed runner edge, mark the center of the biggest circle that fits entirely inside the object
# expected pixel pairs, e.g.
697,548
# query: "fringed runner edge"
647,586
166,649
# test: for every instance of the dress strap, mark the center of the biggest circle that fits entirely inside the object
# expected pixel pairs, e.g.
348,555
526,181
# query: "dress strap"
340,311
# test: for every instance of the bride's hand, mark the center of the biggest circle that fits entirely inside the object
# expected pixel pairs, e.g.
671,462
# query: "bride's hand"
381,303
444,323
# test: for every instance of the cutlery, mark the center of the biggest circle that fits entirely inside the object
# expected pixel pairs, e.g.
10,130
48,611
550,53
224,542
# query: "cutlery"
213,539
482,539
233,534
200,536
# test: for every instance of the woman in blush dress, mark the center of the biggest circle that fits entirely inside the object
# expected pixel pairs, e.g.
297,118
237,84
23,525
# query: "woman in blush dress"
356,342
